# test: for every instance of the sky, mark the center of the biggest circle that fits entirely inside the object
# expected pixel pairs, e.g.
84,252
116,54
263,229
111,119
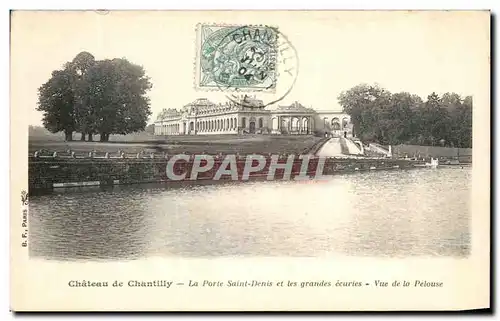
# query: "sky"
417,52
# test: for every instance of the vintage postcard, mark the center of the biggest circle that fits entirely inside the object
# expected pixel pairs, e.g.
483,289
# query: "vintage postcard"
250,160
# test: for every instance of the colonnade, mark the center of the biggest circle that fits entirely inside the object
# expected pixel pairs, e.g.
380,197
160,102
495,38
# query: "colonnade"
169,129
301,124
226,124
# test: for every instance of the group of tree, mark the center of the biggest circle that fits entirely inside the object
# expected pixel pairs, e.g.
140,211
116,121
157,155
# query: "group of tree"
95,97
403,118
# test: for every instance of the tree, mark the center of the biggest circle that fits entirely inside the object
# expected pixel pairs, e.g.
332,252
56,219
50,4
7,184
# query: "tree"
115,93
96,97
79,67
56,100
466,118
366,104
451,101
436,121
404,118
400,119
462,120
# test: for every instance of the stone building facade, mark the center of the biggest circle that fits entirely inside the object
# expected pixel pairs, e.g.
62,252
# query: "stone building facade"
249,116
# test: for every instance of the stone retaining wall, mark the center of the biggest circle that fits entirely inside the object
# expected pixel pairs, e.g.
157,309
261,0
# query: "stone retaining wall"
50,173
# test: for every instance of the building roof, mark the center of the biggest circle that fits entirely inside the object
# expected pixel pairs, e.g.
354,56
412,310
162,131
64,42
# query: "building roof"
203,106
201,102
170,112
247,101
295,107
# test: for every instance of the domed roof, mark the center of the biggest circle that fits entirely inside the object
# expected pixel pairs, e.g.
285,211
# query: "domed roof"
247,101
201,102
167,112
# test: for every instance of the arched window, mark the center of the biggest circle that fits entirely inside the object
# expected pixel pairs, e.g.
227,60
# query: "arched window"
231,124
261,123
345,122
335,123
243,122
235,123
305,124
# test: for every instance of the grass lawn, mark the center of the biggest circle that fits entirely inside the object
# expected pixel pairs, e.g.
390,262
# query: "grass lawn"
209,144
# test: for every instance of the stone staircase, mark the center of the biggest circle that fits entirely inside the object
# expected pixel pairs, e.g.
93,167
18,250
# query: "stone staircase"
380,149
350,147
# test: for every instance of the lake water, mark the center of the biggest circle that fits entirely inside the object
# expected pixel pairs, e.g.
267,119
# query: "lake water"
424,212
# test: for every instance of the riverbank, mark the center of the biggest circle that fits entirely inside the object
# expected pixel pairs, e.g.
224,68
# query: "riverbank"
463,155
46,174
55,165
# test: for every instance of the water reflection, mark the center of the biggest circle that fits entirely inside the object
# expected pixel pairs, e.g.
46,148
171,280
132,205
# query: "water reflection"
87,226
398,213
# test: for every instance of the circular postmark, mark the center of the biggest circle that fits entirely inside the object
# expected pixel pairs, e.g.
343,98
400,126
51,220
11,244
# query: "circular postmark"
242,60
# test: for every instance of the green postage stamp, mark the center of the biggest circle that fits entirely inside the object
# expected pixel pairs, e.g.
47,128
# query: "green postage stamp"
236,58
